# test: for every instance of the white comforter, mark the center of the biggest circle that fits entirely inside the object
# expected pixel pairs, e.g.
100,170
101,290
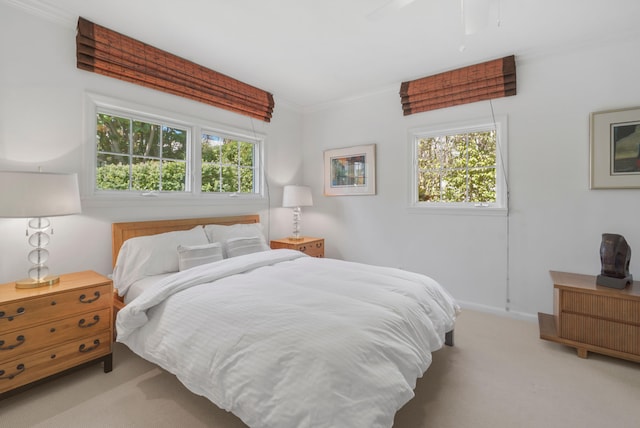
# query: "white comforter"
283,340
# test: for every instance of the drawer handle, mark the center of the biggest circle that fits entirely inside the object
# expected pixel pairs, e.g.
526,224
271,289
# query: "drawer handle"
83,297
96,320
19,311
19,367
319,245
19,339
303,248
83,347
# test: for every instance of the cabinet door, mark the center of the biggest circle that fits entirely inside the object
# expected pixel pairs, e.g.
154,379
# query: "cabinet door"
602,333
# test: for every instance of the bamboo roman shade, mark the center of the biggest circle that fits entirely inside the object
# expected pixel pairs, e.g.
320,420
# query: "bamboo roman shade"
112,54
492,79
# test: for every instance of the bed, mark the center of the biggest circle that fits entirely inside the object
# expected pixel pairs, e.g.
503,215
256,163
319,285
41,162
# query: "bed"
276,337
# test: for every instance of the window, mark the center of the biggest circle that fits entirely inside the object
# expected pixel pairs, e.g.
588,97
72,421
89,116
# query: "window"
460,167
227,164
143,153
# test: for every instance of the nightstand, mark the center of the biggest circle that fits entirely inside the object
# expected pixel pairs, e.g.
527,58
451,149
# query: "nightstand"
49,330
313,247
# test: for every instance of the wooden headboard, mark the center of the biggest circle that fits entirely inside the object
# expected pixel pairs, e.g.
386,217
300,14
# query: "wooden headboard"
120,232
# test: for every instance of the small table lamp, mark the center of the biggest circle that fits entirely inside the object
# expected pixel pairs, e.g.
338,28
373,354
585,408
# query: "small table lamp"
38,195
296,197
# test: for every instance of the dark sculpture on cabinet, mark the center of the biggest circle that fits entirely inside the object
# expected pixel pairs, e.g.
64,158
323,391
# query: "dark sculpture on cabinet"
615,255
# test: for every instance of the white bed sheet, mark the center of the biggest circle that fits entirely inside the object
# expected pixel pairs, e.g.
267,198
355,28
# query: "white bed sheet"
293,341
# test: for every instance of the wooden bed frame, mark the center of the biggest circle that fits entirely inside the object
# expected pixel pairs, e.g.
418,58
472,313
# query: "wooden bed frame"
120,232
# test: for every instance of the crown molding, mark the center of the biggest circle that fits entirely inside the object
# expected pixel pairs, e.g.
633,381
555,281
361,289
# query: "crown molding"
45,10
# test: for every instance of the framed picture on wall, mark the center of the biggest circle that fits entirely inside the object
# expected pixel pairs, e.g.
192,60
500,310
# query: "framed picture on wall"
350,171
615,149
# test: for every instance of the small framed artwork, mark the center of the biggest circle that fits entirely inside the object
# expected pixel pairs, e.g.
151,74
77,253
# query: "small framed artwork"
350,171
615,149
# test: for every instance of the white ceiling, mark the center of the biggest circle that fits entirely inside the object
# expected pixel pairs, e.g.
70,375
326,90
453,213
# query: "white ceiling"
310,52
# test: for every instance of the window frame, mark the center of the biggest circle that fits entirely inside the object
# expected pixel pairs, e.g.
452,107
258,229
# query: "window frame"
500,206
195,127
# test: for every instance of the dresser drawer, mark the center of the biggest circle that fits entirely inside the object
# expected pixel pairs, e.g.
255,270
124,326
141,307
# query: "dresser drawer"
18,314
313,249
35,366
606,307
599,332
31,339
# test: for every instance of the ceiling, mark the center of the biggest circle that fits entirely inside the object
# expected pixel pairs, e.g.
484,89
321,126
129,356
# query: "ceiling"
311,52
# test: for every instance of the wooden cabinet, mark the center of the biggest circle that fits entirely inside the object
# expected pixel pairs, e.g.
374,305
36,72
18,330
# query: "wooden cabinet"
45,331
311,246
592,318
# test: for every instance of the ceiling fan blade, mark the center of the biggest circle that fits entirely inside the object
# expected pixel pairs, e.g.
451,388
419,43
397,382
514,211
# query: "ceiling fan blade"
387,8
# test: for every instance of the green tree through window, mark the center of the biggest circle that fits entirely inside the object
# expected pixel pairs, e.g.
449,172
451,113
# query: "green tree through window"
457,168
460,168
140,156
227,165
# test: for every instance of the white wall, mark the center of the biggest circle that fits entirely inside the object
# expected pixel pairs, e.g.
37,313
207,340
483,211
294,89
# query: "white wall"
555,221
42,96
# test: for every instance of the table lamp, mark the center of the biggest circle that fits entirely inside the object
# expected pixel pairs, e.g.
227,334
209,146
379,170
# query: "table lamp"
37,196
296,197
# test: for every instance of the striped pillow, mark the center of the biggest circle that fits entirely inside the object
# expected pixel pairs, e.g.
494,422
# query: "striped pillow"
241,246
195,255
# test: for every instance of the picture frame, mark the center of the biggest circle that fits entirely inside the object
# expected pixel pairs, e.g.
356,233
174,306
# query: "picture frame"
350,171
615,149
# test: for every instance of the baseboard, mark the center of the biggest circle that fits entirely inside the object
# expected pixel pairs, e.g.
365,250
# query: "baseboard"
504,312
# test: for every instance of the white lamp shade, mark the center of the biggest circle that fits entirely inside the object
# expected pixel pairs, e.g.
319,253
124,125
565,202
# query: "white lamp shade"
38,194
297,196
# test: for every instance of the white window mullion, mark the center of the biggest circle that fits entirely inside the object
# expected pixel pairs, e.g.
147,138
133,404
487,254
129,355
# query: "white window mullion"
130,154
194,153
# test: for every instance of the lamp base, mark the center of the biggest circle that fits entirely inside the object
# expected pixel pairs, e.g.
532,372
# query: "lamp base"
34,283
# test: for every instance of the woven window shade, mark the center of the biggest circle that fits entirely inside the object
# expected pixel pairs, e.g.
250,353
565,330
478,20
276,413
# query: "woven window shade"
492,79
112,54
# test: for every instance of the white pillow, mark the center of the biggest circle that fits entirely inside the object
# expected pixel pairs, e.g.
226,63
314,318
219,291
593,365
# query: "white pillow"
195,255
152,255
220,233
241,246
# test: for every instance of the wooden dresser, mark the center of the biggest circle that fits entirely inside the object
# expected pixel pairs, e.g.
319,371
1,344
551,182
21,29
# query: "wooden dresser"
313,247
45,331
592,318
